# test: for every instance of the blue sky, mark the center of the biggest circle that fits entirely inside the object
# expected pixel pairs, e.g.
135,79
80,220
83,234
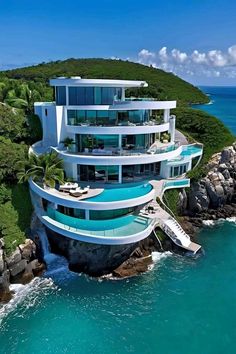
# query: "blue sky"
195,39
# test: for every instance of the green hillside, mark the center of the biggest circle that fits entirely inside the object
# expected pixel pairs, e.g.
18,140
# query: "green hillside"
162,85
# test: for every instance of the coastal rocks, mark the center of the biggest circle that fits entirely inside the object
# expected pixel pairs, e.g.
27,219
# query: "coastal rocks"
198,198
1,261
92,259
99,260
5,293
21,266
218,188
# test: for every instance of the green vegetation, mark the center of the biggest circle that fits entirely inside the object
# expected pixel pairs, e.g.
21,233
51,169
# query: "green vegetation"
206,129
46,169
17,130
162,85
15,215
171,197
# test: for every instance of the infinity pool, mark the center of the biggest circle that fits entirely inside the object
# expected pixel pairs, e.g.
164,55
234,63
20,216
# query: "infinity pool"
115,194
122,226
178,183
191,150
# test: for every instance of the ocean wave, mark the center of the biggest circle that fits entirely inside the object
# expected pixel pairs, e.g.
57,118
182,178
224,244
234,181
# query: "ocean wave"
28,294
212,223
209,222
231,219
157,257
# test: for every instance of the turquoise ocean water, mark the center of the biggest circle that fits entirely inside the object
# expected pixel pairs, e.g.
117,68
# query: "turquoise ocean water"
182,305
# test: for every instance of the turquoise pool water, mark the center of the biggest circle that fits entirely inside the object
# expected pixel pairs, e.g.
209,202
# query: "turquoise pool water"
177,183
122,226
116,194
190,150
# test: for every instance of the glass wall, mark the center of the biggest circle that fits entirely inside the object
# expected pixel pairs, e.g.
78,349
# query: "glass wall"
93,95
100,142
132,173
99,173
109,214
78,213
178,170
60,95
140,142
106,118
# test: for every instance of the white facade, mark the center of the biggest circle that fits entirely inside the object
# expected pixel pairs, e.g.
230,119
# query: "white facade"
116,142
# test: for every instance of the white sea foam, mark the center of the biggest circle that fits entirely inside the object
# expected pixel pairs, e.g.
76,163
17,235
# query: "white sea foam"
211,102
157,256
28,294
209,222
232,219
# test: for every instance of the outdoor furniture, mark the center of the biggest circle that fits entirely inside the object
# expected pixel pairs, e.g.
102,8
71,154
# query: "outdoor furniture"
68,186
79,191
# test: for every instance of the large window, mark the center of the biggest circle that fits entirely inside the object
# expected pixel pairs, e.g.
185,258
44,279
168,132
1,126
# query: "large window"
106,118
97,142
99,173
178,170
60,95
93,95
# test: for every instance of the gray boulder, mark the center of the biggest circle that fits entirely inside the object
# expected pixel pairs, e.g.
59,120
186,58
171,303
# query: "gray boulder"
14,258
198,198
17,268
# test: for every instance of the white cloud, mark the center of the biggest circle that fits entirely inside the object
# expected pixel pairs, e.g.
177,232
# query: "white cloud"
213,63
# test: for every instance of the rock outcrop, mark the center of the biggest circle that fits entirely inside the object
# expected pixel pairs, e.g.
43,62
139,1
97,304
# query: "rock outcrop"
214,196
21,266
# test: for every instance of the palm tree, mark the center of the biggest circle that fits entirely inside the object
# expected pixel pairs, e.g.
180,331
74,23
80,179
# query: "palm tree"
46,169
22,97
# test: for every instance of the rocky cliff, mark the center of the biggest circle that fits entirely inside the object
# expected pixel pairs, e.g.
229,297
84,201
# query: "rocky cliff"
214,196
19,267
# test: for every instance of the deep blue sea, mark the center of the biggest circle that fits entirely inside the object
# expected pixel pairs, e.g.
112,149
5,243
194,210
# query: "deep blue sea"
222,104
181,306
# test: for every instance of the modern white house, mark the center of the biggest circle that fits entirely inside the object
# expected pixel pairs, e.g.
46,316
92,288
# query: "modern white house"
123,153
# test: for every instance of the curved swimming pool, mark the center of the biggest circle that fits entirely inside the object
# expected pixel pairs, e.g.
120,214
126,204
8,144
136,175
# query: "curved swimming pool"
123,193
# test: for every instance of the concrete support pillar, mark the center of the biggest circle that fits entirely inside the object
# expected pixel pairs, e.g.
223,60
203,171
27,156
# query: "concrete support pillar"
166,115
120,174
172,128
87,217
123,94
74,172
67,96
120,141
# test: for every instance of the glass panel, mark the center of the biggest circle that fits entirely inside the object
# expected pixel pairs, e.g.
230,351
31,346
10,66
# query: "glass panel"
91,117
71,117
97,95
89,95
106,141
61,95
109,214
108,94
112,118
102,117
176,171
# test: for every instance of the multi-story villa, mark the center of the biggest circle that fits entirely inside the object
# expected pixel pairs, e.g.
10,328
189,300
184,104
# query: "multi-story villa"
120,153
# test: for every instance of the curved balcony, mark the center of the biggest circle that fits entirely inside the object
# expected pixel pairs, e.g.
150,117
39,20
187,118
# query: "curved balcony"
132,231
135,105
98,199
121,157
131,129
